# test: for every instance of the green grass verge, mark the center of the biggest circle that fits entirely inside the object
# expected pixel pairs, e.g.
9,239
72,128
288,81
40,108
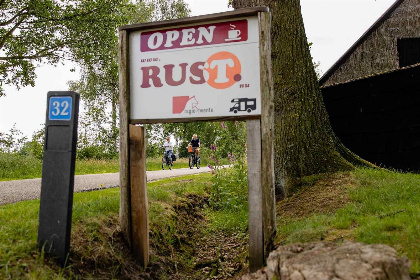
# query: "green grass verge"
384,208
17,167
19,256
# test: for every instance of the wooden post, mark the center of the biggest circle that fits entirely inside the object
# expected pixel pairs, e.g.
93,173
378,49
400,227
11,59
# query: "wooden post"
267,134
261,195
139,206
255,213
124,139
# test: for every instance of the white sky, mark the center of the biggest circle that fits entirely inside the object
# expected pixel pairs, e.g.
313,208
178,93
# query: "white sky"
331,25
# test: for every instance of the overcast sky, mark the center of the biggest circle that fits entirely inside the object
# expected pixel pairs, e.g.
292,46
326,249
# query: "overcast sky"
331,25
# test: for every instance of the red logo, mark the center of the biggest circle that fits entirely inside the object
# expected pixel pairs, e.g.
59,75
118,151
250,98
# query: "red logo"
179,103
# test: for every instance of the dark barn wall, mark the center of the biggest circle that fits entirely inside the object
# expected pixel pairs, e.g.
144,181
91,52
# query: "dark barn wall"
378,118
408,51
378,52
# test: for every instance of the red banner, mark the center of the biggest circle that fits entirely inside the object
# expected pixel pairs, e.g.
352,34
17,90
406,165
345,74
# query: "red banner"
194,36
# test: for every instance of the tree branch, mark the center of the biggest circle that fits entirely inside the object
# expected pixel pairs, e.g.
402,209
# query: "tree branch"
20,13
40,54
10,32
65,18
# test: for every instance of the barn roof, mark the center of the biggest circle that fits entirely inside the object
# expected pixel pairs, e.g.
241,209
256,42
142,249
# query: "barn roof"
347,54
402,69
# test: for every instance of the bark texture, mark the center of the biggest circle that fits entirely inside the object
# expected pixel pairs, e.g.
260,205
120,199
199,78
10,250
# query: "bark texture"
304,142
327,260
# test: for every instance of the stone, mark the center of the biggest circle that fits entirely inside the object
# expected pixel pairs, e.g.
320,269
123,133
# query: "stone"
333,261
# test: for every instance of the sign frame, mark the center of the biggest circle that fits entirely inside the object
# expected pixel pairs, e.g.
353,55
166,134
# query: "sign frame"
260,129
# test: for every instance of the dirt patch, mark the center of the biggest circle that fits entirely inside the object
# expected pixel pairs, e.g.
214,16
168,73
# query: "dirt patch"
98,250
213,255
219,256
321,194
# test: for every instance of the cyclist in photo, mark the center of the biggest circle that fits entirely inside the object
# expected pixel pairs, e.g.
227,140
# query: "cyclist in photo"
195,143
169,148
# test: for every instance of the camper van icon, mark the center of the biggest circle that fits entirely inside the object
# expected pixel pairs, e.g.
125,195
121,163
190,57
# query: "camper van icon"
243,104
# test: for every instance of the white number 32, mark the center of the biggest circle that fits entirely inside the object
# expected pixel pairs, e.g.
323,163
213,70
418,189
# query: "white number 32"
60,108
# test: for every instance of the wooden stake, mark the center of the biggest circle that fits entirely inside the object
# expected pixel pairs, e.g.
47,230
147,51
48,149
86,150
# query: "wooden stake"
124,140
267,134
255,210
139,206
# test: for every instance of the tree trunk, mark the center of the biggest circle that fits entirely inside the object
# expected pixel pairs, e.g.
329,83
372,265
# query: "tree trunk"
304,142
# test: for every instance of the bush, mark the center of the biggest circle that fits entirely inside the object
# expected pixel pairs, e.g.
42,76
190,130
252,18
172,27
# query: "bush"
96,152
17,166
32,149
229,189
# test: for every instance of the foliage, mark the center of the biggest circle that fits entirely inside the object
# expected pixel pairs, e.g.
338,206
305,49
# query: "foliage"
229,189
14,166
317,65
228,136
12,141
98,84
35,147
20,158
35,31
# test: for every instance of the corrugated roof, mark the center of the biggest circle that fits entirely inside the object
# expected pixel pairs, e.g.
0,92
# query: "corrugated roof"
347,54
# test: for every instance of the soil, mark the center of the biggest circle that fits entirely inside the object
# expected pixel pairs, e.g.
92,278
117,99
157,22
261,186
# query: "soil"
325,194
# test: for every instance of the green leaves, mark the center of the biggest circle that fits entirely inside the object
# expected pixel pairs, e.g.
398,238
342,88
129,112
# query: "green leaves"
98,61
48,31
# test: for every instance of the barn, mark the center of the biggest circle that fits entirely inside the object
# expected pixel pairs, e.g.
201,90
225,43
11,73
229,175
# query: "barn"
372,93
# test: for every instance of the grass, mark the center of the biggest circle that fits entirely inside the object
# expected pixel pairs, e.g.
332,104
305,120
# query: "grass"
17,167
383,207
95,253
370,206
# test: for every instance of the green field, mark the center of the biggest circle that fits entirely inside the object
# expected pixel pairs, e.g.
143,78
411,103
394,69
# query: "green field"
16,167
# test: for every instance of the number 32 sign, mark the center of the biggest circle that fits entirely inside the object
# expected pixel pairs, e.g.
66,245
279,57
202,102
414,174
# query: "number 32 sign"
60,108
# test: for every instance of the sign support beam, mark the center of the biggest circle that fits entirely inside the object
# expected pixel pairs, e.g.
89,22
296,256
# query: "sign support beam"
261,192
255,199
125,199
139,206
267,134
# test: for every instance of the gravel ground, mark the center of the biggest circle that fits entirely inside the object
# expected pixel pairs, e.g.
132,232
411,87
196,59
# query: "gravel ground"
18,190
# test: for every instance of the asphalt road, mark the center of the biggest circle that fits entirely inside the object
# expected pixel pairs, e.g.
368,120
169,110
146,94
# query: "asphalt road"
18,190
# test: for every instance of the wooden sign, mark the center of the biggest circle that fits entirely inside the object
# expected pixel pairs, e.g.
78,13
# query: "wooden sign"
212,67
195,71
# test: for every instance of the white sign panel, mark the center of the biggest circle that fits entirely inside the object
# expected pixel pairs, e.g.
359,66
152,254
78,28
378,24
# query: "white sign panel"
201,71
